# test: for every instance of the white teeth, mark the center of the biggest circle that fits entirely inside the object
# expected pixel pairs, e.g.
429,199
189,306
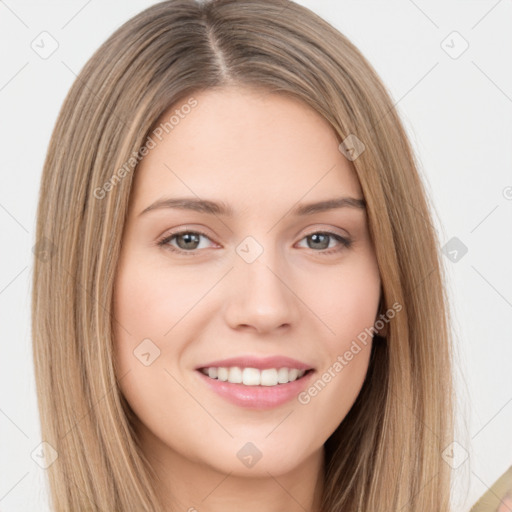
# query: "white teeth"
282,375
253,376
222,374
269,377
293,374
235,375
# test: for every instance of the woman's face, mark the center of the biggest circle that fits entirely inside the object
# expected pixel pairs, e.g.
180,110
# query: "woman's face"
261,281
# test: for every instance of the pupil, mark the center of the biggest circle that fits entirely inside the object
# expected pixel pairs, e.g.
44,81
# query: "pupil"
190,238
315,237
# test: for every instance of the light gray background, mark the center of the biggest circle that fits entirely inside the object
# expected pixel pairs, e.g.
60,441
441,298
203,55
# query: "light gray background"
458,114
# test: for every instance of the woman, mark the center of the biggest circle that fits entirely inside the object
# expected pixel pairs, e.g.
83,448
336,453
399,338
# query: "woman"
195,348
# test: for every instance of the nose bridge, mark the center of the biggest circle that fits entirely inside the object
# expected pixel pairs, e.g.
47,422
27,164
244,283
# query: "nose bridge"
261,296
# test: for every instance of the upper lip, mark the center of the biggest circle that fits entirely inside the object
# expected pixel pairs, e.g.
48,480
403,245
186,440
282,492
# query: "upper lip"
260,363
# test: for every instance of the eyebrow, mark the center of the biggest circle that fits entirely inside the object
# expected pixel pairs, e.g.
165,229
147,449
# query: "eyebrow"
221,208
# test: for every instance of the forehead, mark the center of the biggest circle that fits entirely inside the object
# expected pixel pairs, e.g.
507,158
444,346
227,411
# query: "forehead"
244,146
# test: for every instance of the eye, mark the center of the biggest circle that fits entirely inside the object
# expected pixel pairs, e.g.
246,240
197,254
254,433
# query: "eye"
321,240
188,241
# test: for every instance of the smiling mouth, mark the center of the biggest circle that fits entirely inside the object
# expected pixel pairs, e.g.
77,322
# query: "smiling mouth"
254,376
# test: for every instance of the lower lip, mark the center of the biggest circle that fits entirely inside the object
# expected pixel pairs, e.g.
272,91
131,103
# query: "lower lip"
257,397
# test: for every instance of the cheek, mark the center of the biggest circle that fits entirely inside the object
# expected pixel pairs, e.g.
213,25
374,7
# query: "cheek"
349,302
147,305
149,301
145,309
349,308
329,397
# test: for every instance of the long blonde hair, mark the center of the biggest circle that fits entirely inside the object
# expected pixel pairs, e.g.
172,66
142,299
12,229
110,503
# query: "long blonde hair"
386,454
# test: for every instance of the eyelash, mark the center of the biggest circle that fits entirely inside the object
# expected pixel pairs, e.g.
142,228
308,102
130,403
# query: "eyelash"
164,242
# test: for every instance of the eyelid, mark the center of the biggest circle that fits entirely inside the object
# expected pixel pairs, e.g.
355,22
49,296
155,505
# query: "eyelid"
331,230
202,231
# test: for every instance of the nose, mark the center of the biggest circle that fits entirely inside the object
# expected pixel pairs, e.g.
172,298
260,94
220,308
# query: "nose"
261,295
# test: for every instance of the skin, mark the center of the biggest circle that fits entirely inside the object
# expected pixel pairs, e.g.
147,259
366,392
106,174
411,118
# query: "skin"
262,154
506,503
